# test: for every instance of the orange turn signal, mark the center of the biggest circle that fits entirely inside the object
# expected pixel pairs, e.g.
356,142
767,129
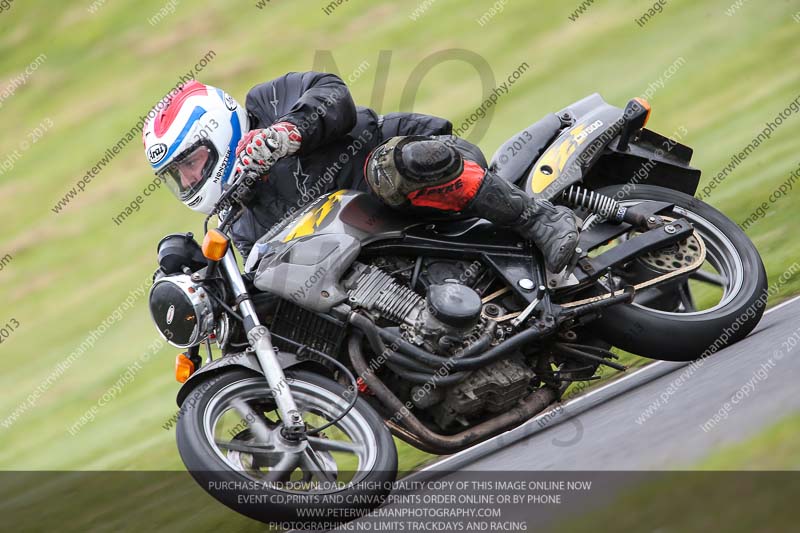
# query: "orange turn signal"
645,104
183,368
215,244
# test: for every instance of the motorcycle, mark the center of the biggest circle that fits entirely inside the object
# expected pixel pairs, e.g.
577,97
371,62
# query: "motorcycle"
353,323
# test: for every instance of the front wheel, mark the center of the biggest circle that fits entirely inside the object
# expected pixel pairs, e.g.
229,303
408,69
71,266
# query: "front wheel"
695,315
231,442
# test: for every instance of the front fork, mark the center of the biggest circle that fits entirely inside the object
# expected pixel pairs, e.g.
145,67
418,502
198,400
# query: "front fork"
261,342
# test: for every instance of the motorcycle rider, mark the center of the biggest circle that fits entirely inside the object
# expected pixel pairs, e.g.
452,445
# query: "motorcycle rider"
303,134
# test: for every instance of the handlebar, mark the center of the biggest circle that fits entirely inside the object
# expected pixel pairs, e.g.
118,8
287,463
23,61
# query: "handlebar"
231,199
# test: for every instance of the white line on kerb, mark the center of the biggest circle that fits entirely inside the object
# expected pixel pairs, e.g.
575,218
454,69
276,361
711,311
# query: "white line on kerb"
583,397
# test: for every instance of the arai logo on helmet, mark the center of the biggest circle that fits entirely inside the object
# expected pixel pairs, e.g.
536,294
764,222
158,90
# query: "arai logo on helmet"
230,103
156,153
170,314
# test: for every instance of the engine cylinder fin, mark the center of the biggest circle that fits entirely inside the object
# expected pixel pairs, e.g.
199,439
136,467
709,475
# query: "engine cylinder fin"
376,290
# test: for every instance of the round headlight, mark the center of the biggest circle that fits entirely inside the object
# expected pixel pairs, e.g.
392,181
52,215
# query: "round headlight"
181,310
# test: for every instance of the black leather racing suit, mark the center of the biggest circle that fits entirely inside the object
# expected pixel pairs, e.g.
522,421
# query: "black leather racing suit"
337,138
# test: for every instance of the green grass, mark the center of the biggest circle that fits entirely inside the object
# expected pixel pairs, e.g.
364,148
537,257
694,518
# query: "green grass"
748,486
776,448
69,271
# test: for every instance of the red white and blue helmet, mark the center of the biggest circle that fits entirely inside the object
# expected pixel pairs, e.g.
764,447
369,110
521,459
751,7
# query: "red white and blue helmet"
191,142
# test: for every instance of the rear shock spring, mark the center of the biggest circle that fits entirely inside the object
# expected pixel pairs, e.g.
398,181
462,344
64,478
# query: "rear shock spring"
600,204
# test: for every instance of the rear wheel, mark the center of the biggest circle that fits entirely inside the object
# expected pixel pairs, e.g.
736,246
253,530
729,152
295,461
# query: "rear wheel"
714,306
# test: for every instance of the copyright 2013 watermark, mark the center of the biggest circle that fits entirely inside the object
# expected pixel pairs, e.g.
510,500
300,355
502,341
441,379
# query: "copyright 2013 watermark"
6,5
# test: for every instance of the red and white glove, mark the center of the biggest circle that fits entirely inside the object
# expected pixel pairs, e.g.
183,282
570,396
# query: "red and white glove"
260,149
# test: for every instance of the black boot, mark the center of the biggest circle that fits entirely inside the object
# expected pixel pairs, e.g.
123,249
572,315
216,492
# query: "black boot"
553,229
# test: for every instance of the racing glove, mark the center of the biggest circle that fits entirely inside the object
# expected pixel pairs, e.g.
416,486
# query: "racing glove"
261,148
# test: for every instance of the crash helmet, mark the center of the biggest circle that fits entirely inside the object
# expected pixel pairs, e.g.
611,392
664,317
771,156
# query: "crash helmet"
190,140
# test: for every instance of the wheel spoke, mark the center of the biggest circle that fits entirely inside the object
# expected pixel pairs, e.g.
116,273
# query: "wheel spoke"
709,277
648,295
687,301
245,447
328,445
312,463
254,419
281,471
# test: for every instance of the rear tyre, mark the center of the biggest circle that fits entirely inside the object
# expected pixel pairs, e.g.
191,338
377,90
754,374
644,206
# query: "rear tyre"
668,327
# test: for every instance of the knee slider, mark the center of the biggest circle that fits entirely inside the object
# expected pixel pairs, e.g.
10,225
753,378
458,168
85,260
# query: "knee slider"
403,165
429,162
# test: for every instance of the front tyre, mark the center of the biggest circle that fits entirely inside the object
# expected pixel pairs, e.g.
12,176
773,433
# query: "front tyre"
231,442
671,322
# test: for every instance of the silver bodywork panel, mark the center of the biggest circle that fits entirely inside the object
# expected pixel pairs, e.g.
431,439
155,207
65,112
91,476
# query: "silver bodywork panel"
303,260
307,270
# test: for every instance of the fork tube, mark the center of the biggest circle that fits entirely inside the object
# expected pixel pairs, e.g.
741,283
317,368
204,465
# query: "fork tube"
261,342
246,307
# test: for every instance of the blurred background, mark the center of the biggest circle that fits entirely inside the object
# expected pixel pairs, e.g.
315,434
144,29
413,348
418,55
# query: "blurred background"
76,78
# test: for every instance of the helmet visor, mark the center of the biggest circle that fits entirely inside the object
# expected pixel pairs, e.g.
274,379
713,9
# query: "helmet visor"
190,170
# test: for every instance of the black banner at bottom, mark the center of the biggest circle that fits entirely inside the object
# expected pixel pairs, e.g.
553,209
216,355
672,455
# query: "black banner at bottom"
571,501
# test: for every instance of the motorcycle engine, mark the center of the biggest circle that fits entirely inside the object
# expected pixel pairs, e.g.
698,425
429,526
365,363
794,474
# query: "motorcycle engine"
442,322
445,321
495,388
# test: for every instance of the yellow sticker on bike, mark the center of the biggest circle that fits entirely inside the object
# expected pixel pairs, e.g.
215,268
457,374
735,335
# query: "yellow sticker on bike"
555,159
309,222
